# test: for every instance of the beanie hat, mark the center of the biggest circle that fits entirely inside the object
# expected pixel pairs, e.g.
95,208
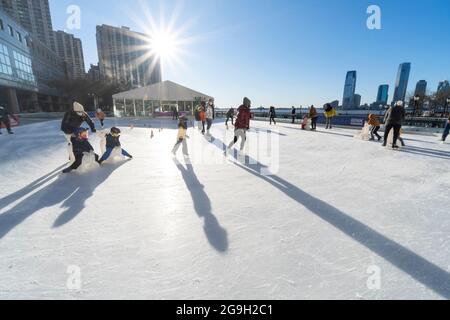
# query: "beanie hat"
77,131
78,107
247,101
399,104
115,130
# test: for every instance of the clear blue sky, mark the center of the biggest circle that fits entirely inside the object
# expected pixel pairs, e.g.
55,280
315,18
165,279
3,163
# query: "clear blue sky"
285,53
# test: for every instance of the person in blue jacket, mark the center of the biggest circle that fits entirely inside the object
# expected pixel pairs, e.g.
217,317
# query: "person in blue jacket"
112,142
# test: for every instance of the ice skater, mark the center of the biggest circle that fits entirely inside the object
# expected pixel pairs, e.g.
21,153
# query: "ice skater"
330,113
446,131
242,125
181,137
313,115
4,118
375,124
210,116
203,116
73,120
230,116
272,115
100,115
393,120
113,143
294,115
80,148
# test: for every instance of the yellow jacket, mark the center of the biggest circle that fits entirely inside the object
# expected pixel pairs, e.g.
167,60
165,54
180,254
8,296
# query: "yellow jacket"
330,114
181,133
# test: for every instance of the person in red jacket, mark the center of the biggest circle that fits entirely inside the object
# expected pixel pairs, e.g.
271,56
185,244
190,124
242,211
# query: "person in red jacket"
242,124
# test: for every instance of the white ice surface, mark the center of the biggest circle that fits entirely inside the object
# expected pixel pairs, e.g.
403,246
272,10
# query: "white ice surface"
149,229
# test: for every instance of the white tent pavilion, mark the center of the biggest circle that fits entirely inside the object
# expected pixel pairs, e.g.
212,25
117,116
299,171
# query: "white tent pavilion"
158,99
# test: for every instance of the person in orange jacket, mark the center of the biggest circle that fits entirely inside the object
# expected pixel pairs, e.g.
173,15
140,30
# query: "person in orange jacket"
376,125
100,115
203,115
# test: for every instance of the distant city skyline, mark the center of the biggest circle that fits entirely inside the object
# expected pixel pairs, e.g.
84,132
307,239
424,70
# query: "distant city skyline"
283,53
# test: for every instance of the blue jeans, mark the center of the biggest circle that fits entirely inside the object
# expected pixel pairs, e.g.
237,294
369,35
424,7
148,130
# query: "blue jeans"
108,154
446,132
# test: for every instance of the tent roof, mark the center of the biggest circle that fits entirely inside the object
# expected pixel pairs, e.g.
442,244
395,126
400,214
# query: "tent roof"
162,91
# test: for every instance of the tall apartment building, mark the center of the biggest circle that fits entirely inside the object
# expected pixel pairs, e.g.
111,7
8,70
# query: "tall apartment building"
124,57
34,16
70,49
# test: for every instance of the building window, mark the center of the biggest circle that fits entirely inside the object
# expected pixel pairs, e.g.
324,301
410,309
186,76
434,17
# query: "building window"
24,68
1,25
5,62
19,36
11,31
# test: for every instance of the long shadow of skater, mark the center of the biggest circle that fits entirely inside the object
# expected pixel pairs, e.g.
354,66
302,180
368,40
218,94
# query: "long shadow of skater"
428,152
422,270
217,236
29,188
72,190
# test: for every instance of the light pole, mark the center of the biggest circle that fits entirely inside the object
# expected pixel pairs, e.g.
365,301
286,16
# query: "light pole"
95,100
446,106
416,104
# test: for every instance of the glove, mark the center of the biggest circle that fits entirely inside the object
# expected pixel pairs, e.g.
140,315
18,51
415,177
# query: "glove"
94,130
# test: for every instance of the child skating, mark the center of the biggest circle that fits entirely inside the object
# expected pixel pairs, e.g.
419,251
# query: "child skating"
181,137
81,148
375,124
113,144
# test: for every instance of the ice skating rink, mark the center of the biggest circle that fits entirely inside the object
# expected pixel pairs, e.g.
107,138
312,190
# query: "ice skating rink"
307,215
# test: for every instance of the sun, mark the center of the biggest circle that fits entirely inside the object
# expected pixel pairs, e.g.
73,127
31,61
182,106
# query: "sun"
163,44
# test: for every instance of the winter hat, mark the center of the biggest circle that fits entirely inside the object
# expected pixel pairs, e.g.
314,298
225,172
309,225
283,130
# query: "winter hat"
99,110
80,130
247,101
115,130
78,107
399,104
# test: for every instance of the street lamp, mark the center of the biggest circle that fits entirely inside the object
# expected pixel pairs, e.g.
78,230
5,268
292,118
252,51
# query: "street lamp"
416,104
95,100
446,106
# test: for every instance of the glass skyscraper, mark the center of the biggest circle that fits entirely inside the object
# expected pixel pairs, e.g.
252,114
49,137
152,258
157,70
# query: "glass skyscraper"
349,89
421,88
401,85
124,57
383,94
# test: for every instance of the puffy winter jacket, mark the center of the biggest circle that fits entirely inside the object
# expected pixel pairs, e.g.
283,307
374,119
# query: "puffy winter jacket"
100,115
210,112
73,120
230,113
112,142
394,116
330,114
313,113
374,121
272,112
4,114
79,146
202,116
243,118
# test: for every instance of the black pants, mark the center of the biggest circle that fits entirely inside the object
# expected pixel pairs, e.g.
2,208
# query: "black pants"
7,123
272,118
79,160
313,123
228,119
293,119
374,132
396,128
102,122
